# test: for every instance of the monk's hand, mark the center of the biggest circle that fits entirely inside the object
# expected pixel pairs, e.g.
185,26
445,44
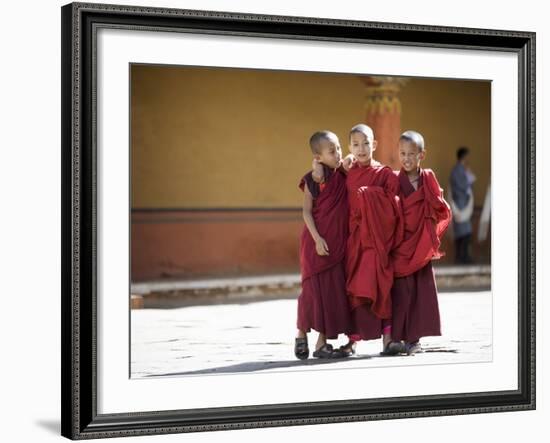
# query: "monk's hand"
317,171
321,246
348,162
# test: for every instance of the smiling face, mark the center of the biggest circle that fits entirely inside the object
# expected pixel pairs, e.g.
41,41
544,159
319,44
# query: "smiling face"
362,146
330,152
410,155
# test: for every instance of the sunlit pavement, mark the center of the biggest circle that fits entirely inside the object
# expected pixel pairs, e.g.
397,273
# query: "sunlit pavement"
259,336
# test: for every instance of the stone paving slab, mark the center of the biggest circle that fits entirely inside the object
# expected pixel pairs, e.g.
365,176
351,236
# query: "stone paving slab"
259,336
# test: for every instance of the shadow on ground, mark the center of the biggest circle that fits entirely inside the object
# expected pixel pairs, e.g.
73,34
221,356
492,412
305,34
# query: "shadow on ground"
265,365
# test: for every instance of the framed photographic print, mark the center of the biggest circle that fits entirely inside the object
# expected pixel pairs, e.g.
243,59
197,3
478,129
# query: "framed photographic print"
185,136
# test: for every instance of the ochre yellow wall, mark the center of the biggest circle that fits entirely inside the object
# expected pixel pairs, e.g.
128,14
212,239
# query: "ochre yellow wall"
230,138
209,138
449,114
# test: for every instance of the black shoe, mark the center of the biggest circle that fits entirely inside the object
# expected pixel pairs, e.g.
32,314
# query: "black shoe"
394,348
348,349
413,348
301,349
327,351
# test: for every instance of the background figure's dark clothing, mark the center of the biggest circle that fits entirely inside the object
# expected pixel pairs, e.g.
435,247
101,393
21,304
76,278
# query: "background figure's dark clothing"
462,249
461,189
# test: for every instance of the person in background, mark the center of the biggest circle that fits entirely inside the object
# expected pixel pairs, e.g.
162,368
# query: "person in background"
462,205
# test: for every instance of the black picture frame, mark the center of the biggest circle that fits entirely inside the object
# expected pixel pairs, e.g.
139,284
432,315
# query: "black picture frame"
79,211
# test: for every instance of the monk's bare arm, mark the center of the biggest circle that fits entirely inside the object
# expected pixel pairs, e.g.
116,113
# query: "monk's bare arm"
317,168
347,163
317,171
320,244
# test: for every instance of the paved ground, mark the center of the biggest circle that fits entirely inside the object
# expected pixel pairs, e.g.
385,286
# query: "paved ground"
172,293
259,336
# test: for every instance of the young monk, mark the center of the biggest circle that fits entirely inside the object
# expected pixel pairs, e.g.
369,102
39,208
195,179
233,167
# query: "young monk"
375,228
426,217
322,304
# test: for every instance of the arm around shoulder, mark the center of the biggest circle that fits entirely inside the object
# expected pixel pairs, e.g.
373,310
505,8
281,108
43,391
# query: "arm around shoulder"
317,172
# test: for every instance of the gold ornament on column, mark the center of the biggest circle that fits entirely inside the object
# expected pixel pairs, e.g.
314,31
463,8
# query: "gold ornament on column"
383,115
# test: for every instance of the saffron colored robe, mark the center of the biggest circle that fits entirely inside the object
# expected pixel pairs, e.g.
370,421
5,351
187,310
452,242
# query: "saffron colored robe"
375,227
323,304
414,293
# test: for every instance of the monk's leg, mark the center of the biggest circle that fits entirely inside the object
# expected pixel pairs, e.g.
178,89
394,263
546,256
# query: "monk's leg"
350,347
321,341
386,333
389,345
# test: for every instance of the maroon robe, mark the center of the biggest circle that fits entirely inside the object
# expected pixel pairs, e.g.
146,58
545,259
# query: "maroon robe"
375,229
323,304
426,216
414,291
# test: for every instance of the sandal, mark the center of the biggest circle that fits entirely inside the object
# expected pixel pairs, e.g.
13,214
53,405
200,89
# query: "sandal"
348,349
301,350
394,348
413,348
327,351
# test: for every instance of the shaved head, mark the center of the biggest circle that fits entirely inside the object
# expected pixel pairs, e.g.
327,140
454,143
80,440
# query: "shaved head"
413,137
361,128
317,137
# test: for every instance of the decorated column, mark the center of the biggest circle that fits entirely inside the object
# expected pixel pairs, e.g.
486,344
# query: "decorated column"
383,115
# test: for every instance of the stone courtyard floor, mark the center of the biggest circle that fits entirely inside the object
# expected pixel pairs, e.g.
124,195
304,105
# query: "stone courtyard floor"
259,336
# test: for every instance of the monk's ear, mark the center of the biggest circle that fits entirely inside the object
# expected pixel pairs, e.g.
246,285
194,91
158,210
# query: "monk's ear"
422,155
374,145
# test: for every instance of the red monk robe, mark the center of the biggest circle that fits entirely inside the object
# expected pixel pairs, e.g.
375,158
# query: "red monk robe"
323,304
375,229
414,294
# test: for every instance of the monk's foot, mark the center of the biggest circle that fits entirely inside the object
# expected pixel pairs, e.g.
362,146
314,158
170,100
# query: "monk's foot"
327,351
348,349
301,349
413,348
394,348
